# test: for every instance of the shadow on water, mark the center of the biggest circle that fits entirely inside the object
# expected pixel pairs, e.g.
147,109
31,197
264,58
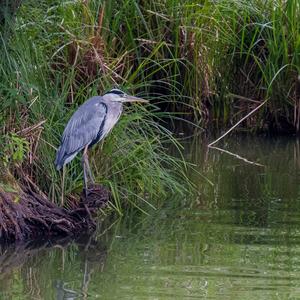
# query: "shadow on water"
237,238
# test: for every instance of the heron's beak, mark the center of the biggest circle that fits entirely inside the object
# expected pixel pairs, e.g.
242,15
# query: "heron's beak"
134,99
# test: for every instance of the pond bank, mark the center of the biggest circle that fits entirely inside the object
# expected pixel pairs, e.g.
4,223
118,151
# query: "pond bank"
27,214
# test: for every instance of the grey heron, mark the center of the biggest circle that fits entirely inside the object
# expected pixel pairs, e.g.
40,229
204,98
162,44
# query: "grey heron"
90,123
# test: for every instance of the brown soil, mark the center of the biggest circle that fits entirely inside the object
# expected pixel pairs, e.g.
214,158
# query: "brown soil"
27,214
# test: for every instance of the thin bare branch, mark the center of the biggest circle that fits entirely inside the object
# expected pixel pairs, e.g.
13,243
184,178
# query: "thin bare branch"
238,123
237,156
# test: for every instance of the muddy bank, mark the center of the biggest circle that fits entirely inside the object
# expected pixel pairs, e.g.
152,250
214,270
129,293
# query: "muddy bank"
27,214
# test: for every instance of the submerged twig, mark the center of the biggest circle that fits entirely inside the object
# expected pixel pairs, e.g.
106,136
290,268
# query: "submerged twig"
237,156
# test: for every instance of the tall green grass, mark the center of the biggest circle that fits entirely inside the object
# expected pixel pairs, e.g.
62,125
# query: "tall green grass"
211,62
44,81
264,61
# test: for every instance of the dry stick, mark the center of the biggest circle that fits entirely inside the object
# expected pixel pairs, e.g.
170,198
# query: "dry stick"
238,123
31,128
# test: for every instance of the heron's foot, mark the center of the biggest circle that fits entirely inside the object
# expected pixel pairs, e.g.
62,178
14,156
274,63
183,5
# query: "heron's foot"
87,192
89,189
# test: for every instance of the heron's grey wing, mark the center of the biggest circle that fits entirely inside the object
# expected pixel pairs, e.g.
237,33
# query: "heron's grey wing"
84,127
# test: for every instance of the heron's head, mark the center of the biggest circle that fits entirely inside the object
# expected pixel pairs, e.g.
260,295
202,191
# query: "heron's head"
117,95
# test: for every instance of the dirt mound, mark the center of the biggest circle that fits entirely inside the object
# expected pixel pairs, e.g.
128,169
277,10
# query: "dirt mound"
27,214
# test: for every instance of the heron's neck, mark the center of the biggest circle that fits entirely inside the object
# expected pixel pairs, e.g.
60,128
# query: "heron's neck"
114,111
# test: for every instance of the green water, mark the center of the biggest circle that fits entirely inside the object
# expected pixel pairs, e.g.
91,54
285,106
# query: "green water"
236,239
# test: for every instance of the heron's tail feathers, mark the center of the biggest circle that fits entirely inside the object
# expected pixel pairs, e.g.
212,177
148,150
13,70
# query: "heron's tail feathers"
62,157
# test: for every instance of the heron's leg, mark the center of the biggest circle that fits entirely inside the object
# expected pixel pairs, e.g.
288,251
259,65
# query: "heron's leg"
63,186
84,175
86,158
89,171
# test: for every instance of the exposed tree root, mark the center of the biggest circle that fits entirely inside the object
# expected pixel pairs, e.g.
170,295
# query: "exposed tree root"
27,214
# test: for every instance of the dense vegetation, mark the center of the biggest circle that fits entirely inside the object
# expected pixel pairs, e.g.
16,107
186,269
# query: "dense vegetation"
211,62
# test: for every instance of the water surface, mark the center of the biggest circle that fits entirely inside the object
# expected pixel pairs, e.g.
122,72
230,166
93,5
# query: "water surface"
237,238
